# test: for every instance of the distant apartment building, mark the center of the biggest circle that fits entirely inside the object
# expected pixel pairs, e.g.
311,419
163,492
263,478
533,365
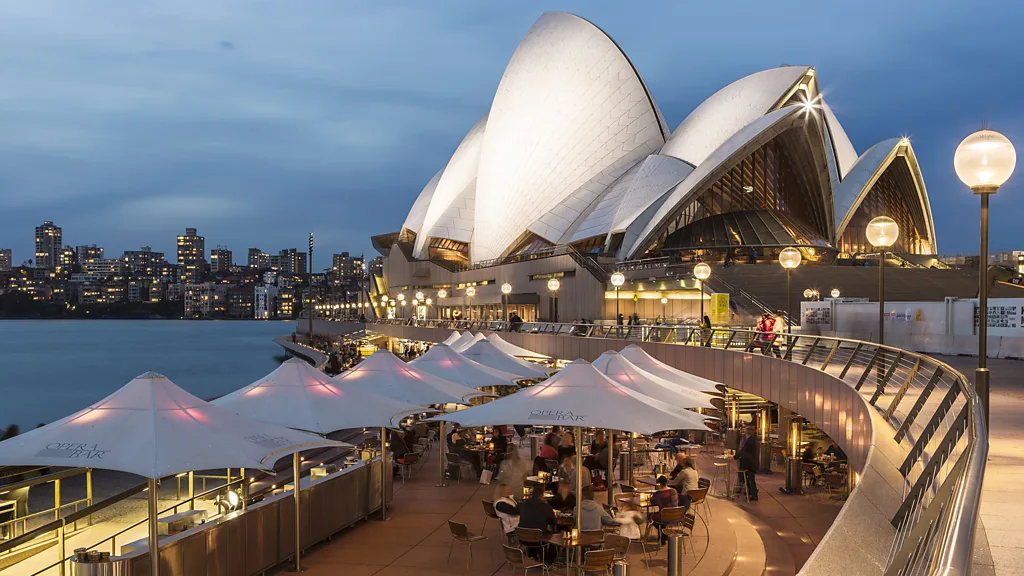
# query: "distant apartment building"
88,253
174,292
264,297
347,270
1012,259
135,290
192,256
143,263
220,260
103,268
289,261
376,267
6,259
258,259
240,302
49,242
206,299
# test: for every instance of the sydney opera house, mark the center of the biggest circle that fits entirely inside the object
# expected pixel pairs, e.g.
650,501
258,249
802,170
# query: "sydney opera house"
575,161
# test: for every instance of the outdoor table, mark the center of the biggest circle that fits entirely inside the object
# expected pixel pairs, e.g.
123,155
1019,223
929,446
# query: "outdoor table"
582,540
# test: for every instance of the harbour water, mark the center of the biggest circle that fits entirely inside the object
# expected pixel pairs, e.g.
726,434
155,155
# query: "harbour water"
51,368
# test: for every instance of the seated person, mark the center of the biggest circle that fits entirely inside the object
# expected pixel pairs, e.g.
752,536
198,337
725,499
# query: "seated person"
592,515
836,452
630,519
808,455
684,476
564,499
537,514
548,452
507,509
568,471
663,497
455,440
499,441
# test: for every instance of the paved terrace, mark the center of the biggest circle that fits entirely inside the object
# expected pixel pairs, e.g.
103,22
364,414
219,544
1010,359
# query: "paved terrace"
773,535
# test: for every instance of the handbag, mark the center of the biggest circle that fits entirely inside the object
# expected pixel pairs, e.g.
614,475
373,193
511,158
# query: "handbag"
486,475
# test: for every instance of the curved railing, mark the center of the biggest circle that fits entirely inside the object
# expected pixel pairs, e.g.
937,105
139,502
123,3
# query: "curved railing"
934,414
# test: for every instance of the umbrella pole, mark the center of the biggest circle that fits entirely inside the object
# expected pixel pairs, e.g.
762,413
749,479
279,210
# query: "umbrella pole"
611,465
578,433
154,537
296,469
440,454
629,473
383,478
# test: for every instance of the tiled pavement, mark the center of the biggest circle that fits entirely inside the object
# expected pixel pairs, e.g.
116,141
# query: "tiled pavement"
773,535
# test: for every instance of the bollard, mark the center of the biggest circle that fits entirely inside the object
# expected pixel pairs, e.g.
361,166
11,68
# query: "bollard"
620,568
675,555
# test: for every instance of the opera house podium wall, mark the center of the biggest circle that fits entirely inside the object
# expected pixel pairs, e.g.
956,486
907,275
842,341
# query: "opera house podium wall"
910,425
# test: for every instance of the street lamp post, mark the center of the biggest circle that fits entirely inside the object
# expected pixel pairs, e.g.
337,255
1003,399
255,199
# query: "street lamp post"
984,161
618,279
701,272
470,292
506,289
882,233
310,289
789,258
553,285
664,318
401,305
441,295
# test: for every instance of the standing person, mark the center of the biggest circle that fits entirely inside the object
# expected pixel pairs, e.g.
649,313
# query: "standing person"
705,328
619,319
747,457
636,319
507,509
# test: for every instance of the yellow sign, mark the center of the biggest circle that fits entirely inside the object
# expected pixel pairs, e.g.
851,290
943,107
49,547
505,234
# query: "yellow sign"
636,296
918,316
719,309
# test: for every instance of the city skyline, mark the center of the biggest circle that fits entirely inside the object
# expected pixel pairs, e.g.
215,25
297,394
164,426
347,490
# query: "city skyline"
262,131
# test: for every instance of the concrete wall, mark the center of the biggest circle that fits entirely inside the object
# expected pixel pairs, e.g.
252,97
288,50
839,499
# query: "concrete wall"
863,531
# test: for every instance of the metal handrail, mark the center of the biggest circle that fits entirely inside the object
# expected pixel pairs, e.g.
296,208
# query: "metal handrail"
933,411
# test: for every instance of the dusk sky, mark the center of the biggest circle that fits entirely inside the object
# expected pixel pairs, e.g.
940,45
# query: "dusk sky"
259,121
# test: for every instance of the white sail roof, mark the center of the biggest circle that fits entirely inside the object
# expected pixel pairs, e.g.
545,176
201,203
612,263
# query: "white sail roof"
511,349
153,428
580,395
452,339
466,340
297,395
383,373
443,362
618,368
641,359
486,353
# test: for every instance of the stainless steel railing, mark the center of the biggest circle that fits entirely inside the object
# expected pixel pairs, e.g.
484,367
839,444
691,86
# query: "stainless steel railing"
933,412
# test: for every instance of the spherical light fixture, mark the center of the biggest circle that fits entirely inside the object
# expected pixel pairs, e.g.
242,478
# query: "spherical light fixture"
442,293
384,298
506,288
664,300
808,293
985,160
419,295
401,297
790,258
429,301
702,271
882,232
470,291
835,292
553,284
618,279
415,302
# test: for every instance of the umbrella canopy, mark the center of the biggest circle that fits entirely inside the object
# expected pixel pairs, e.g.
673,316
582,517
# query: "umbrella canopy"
512,349
452,339
384,374
579,395
297,395
153,428
443,362
641,359
464,345
464,339
486,353
615,366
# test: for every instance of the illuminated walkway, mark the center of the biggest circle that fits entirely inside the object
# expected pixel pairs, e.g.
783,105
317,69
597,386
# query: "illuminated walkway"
773,535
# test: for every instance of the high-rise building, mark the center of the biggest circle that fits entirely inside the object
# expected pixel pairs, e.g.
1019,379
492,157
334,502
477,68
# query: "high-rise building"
220,260
376,267
192,256
65,263
88,253
258,259
347,270
49,242
289,261
5,259
143,263
263,304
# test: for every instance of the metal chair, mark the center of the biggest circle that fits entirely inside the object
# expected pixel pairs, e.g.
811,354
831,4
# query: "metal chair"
705,483
405,464
834,482
457,463
698,497
597,561
489,512
670,518
462,534
685,529
516,558
532,539
743,485
621,544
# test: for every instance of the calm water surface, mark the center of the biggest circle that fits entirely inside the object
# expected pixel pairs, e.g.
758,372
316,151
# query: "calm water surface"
51,368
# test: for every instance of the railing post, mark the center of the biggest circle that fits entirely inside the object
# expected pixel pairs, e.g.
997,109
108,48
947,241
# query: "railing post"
831,354
56,499
88,491
903,390
880,388
849,363
60,549
191,490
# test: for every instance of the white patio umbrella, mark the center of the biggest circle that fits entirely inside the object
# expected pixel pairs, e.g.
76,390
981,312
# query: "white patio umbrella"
383,373
153,428
579,395
511,349
465,338
486,353
452,339
639,357
297,395
616,367
463,345
444,362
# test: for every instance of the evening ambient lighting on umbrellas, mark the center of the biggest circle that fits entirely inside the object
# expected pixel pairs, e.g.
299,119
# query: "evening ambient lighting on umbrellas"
641,359
618,368
383,373
511,349
463,346
153,428
452,339
444,362
486,353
